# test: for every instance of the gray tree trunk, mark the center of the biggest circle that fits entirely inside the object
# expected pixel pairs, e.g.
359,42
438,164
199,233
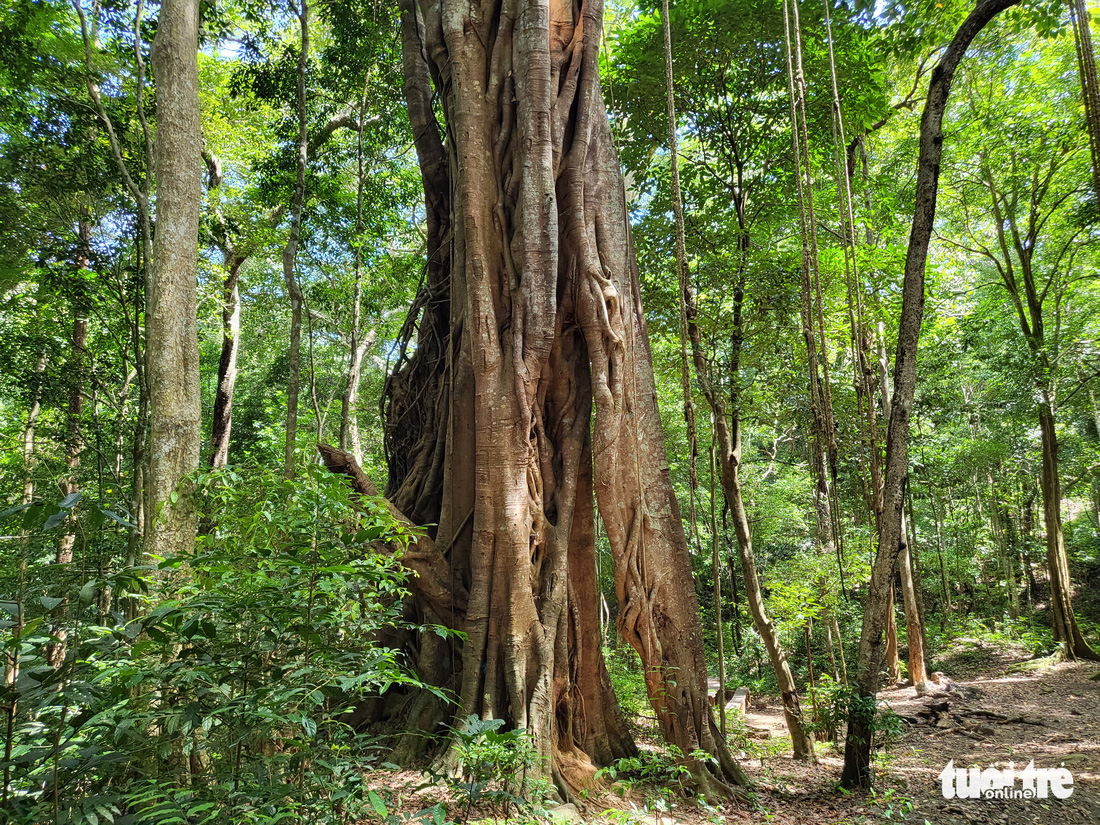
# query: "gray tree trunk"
172,353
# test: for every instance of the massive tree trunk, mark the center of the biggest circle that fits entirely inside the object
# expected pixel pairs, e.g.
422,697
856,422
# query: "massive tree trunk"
172,352
857,751
530,318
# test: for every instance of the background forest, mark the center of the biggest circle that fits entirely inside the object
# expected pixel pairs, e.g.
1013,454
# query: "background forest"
234,683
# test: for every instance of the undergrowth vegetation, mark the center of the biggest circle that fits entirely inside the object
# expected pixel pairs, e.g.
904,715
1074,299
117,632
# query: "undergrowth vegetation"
204,689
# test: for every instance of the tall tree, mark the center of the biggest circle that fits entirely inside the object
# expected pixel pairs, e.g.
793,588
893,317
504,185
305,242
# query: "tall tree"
739,155
290,251
857,751
172,366
532,320
1031,183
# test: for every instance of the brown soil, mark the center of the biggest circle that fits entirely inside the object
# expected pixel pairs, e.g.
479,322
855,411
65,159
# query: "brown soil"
1049,713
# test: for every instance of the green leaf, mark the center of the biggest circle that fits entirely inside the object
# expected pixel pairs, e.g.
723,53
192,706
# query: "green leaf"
87,592
50,602
55,518
94,520
377,803
19,508
115,517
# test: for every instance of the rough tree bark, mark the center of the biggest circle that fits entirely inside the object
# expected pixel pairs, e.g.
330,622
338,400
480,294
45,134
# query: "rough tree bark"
857,752
172,352
529,319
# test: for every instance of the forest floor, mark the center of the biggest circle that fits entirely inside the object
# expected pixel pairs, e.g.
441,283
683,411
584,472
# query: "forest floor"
1001,708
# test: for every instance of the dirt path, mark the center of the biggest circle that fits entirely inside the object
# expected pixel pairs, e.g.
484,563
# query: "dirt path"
1013,712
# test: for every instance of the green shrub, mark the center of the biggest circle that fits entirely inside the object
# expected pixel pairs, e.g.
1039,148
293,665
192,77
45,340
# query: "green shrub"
223,701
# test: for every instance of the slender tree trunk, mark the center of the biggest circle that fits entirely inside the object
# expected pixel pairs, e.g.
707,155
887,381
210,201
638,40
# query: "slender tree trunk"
30,460
349,404
136,501
997,520
74,430
1090,86
801,738
78,341
833,671
717,576
912,619
172,353
946,590
349,421
731,565
914,626
893,654
839,646
728,434
1066,629
290,252
918,579
857,753
1027,532
221,425
1095,484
